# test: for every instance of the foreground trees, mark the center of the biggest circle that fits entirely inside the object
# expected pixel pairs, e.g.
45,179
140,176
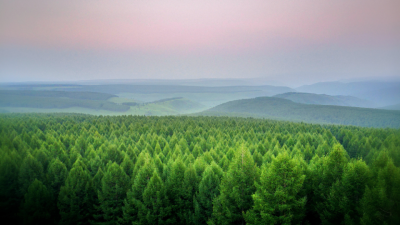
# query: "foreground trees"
277,199
77,169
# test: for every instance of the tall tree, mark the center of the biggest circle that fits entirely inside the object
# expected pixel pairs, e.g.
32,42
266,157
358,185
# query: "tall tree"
236,188
77,196
37,205
112,194
208,191
156,208
277,199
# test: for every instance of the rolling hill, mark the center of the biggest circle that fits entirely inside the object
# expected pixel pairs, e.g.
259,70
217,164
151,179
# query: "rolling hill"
91,103
392,107
380,93
283,109
59,100
209,96
323,99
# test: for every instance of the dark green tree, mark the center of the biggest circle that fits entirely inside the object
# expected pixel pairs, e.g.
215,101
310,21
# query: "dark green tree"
115,184
236,189
277,199
37,205
77,196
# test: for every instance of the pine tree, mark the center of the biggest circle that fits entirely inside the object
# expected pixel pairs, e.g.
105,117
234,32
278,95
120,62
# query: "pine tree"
208,191
112,194
236,189
380,203
37,205
127,165
56,176
77,196
134,199
177,193
276,200
156,208
9,191
30,170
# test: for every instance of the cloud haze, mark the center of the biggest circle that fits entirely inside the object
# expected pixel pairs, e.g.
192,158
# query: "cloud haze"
304,40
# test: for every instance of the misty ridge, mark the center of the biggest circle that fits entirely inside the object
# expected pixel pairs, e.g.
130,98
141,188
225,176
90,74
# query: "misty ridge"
368,101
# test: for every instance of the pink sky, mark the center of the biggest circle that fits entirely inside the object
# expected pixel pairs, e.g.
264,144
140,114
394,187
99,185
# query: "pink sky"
202,27
178,25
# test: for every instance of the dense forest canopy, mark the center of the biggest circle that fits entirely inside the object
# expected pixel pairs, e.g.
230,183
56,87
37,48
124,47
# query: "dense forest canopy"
81,169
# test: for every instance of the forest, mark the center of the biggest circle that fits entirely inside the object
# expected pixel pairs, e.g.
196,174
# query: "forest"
83,169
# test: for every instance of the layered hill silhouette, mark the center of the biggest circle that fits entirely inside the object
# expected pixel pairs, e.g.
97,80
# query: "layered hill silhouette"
283,109
323,99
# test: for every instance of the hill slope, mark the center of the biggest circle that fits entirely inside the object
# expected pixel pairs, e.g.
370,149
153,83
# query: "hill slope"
59,100
392,107
322,99
283,109
381,93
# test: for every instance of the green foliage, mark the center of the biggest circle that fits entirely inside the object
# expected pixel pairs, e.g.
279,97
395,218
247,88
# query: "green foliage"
236,189
36,208
112,194
79,169
277,199
76,197
9,191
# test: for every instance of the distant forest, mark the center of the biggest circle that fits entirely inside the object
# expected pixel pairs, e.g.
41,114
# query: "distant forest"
81,169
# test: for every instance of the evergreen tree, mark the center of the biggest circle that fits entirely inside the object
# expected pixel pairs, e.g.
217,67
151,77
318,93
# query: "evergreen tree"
9,191
37,205
178,194
156,208
77,196
134,199
236,189
380,204
112,194
30,170
208,191
277,199
56,176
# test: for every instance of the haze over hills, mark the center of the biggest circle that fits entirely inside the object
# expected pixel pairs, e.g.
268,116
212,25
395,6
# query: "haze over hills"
392,107
323,99
381,93
174,97
283,109
91,103
208,96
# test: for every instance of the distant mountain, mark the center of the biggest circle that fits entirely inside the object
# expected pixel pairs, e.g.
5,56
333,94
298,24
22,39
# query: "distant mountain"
59,100
381,93
283,109
178,104
392,107
323,99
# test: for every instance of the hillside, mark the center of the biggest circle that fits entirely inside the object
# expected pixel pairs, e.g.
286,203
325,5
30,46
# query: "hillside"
163,107
323,99
23,101
392,107
380,93
283,109
59,100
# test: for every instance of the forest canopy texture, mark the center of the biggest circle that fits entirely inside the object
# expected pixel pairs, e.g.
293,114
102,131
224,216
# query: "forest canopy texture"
80,169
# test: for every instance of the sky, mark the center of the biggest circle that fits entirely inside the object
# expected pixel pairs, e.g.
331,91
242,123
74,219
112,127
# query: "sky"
293,42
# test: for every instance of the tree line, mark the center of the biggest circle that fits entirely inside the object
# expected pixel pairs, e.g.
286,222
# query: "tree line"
80,169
